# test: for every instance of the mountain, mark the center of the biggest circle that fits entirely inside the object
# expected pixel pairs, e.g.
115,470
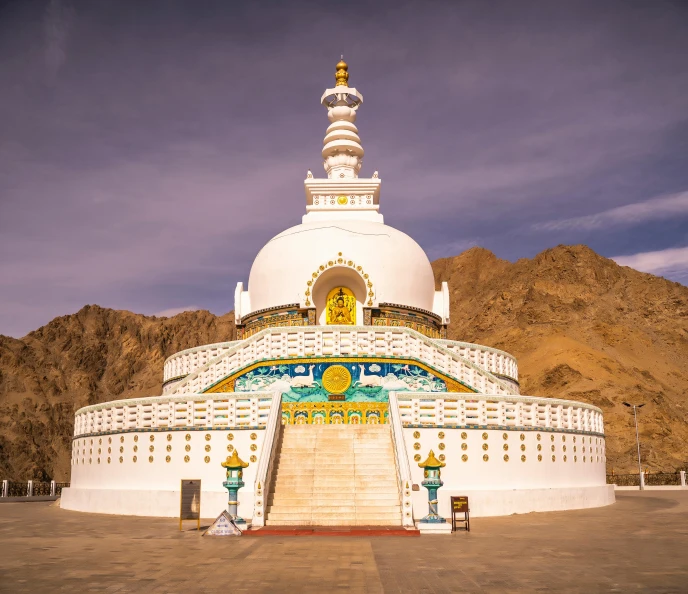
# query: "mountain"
581,326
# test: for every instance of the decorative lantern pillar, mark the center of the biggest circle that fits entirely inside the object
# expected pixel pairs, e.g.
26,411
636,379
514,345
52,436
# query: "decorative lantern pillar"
235,471
432,482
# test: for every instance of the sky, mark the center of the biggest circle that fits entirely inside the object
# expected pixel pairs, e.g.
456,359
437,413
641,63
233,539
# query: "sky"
148,150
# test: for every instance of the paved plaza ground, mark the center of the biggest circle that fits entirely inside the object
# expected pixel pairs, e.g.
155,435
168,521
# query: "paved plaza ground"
638,544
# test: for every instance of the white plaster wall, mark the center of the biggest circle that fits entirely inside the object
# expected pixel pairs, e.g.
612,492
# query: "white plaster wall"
152,488
514,486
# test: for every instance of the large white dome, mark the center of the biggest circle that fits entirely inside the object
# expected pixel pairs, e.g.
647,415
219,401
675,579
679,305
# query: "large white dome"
366,256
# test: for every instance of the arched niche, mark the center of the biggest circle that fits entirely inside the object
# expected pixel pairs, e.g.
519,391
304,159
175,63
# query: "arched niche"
338,276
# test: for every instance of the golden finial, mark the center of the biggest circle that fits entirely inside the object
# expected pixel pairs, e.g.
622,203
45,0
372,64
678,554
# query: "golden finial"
234,461
342,76
431,461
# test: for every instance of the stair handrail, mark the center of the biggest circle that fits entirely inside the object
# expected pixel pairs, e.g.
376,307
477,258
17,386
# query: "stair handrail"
403,467
261,487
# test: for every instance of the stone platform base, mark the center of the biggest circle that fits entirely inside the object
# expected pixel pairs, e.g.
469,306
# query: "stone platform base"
434,528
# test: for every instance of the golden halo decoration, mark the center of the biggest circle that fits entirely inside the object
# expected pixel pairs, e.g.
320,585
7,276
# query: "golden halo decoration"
336,379
342,200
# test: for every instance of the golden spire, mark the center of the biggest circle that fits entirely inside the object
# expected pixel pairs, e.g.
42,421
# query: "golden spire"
342,76
234,461
431,461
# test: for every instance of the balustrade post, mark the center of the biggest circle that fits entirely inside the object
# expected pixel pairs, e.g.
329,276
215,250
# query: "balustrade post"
52,488
642,480
683,479
29,489
6,488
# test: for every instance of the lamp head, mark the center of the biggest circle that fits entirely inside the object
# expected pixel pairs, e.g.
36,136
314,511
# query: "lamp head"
626,404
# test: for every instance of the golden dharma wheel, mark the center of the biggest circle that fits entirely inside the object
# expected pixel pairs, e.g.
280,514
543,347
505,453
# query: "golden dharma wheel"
336,379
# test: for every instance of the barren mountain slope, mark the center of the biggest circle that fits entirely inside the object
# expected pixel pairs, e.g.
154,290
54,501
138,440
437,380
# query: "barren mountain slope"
92,356
585,328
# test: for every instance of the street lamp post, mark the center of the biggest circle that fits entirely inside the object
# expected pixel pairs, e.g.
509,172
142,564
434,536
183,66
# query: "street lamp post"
637,439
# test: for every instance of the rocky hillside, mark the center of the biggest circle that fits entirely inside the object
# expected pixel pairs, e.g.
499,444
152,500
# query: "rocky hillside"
581,326
585,328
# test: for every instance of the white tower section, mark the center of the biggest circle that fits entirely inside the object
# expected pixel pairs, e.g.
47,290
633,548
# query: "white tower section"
342,240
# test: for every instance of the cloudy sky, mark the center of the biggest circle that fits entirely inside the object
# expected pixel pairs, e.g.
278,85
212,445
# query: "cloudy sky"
149,149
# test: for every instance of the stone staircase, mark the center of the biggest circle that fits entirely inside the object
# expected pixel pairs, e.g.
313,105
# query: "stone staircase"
335,475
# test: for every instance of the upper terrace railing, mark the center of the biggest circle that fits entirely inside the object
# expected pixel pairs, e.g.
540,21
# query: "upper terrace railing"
191,410
340,341
493,360
421,408
489,359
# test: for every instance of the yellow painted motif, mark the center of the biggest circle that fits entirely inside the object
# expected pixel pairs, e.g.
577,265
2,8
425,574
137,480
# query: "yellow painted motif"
341,307
336,379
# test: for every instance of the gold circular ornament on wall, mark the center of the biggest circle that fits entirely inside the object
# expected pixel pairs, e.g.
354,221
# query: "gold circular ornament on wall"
464,435
583,458
506,446
169,437
99,450
151,448
169,448
505,435
150,458
254,436
539,457
187,447
254,447
484,435
551,437
539,437
230,436
109,450
539,447
523,436
336,379
152,437
575,458
554,458
464,446
506,457
574,439
464,458
168,458
186,458
342,200
440,435
134,458
121,439
230,448
207,436
100,441
207,447
121,459
563,448
485,457
523,447
564,457
136,437
136,448
441,446
416,446
442,457
109,439
416,434
553,448
253,459
485,446
563,438
417,457
108,459
523,458
187,437
207,459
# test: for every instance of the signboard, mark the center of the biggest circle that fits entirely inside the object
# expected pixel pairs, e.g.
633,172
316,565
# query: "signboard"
190,501
223,526
459,504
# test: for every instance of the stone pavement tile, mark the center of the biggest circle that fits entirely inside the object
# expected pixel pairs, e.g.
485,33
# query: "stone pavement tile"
639,544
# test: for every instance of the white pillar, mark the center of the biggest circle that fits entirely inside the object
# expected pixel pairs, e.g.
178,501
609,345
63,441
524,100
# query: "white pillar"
52,488
683,478
642,479
6,488
29,490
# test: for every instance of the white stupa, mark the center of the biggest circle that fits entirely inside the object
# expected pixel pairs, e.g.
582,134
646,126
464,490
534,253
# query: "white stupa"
341,382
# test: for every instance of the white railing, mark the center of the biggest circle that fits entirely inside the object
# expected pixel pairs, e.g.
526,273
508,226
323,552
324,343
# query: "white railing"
421,408
187,361
267,460
225,410
403,468
493,360
341,341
